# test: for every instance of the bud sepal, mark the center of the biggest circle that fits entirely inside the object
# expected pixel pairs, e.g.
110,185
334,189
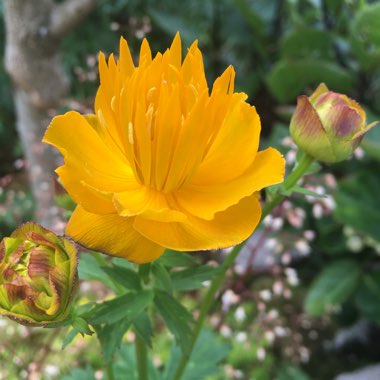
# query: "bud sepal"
327,125
38,276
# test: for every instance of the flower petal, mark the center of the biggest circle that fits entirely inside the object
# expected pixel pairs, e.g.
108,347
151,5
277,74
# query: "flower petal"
82,193
87,159
77,140
149,203
228,228
204,201
113,235
232,151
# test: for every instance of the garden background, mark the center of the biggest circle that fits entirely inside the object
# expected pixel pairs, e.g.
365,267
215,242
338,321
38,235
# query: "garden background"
303,300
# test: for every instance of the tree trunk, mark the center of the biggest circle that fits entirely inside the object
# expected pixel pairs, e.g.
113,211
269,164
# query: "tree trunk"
34,30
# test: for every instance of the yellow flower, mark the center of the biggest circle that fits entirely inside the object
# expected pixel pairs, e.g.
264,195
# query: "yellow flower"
163,162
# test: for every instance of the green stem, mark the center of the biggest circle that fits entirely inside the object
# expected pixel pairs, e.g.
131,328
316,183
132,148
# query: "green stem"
290,181
141,358
140,346
144,272
110,375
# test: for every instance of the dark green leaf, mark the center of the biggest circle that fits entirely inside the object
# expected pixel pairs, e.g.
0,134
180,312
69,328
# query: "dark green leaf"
125,368
144,328
358,203
90,268
162,277
306,42
120,262
172,259
333,286
208,352
69,338
288,79
128,306
81,326
175,316
189,279
110,337
368,296
128,278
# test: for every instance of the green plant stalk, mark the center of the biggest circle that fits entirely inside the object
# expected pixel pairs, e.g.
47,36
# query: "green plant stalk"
140,346
141,358
288,184
109,369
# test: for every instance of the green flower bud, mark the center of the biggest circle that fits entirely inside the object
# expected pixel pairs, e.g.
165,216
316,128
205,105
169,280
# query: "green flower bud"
327,125
38,276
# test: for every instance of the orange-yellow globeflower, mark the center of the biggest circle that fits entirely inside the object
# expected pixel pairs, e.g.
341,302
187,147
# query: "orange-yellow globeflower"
163,162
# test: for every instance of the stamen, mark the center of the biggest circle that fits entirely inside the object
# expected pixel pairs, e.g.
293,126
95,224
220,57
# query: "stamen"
130,133
101,119
150,94
113,104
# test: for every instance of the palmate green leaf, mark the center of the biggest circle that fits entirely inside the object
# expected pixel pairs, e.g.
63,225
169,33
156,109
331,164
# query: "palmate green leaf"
204,361
90,268
368,296
125,366
333,286
126,277
288,79
70,336
80,325
189,279
111,336
358,203
175,316
162,277
127,306
144,328
177,259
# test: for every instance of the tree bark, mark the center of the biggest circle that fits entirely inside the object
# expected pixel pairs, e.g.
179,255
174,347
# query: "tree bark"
34,30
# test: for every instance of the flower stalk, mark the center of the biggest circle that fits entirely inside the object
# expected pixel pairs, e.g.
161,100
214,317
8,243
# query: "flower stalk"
141,358
298,171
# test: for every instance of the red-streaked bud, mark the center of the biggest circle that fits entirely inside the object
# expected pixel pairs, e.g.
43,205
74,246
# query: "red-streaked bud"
38,276
327,125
